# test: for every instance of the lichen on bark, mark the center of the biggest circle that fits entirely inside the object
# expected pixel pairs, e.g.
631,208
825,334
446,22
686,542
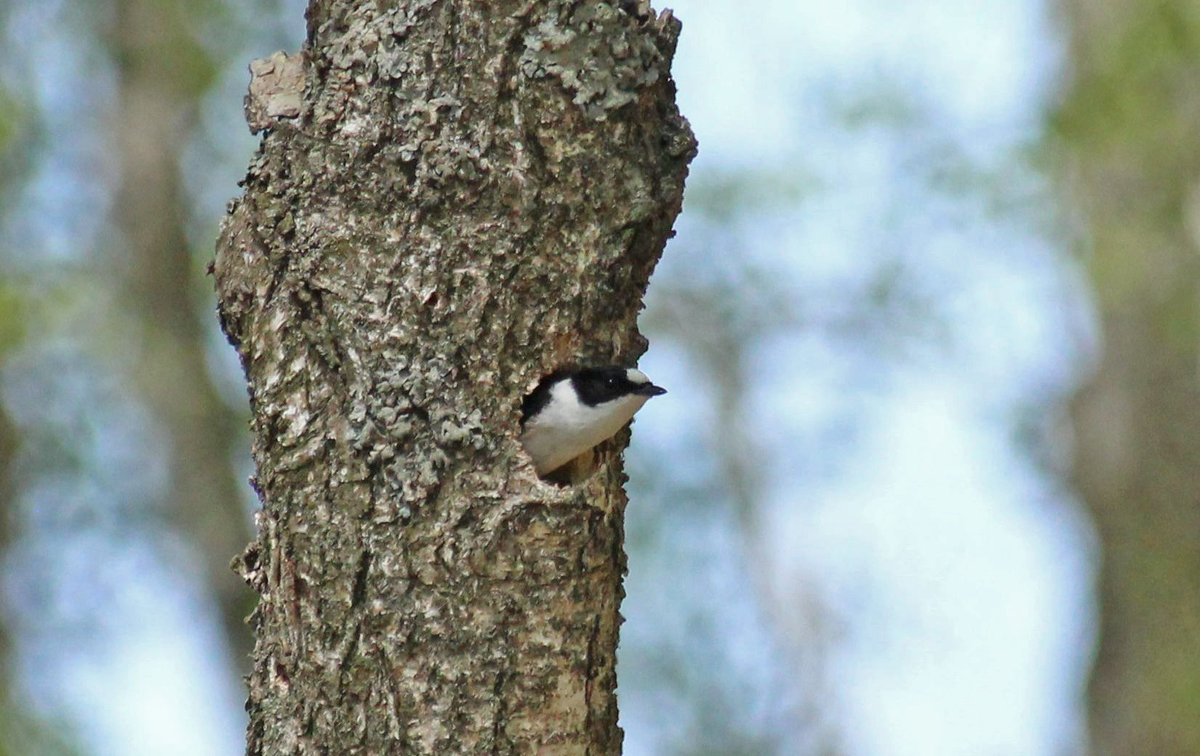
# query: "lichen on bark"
468,196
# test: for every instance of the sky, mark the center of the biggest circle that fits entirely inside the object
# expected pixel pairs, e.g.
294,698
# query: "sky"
958,572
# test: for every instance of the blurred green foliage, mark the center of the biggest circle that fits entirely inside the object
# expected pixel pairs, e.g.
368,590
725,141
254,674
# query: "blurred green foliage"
1131,117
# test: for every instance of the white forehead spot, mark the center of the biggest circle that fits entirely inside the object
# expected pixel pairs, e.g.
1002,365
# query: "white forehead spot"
636,376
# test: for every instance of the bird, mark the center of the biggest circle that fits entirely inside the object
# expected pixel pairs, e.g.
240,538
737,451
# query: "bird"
573,410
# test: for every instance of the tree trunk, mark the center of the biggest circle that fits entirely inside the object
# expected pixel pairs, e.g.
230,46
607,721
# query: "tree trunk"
1131,120
450,200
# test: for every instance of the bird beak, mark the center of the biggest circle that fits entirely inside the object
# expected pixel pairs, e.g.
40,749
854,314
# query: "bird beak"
650,390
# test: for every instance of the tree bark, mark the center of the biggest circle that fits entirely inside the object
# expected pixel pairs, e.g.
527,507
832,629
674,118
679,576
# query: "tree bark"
451,199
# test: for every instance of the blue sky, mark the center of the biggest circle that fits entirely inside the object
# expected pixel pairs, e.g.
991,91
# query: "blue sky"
957,571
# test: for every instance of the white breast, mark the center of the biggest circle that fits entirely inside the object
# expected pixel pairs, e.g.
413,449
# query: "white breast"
566,428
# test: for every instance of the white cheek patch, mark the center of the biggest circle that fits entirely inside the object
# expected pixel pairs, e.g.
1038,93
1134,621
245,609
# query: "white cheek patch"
636,376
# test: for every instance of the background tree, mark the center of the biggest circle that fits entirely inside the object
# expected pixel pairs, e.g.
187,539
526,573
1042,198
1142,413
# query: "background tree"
450,200
1131,123
128,458
161,73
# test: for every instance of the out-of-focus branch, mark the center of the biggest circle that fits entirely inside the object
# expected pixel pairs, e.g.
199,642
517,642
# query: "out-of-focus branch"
719,327
1130,122
159,78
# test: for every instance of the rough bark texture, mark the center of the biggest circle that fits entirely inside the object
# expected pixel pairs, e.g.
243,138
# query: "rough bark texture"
1132,121
464,196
